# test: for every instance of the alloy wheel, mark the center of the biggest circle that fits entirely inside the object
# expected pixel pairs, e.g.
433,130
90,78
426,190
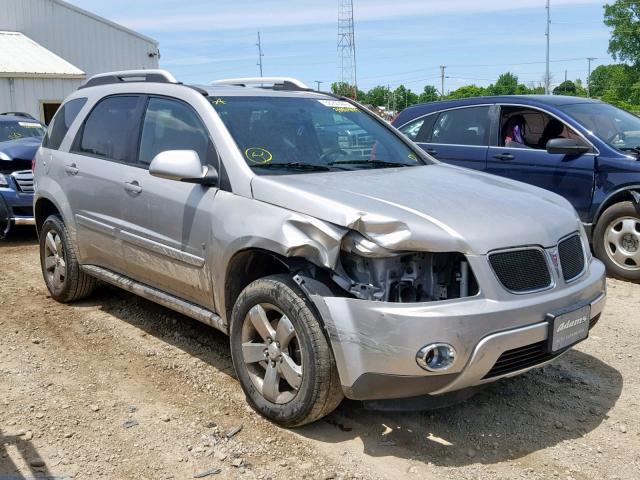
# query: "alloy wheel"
271,352
622,242
54,262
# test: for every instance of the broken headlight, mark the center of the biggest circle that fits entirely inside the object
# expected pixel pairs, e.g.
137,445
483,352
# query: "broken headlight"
372,272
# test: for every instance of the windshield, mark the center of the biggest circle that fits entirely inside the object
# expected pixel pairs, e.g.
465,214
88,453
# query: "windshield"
283,135
616,127
10,130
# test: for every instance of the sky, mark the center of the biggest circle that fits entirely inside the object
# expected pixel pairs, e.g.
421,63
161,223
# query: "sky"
397,42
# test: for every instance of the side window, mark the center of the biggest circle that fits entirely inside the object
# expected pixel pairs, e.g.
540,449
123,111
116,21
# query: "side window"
105,133
531,128
172,125
419,129
462,126
61,122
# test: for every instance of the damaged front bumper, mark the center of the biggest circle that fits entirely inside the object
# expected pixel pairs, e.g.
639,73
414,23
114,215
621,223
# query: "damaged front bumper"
375,343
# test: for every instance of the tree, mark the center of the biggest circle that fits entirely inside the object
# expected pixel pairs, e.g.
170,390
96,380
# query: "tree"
404,97
378,96
613,83
343,89
507,84
566,88
468,91
623,16
429,94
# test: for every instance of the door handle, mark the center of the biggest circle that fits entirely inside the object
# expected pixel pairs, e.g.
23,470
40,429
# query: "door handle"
504,156
133,188
71,169
431,151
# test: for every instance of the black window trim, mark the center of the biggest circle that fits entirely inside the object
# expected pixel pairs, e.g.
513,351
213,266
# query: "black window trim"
136,117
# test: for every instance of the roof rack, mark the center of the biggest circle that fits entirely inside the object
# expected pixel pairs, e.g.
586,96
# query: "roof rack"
276,83
153,75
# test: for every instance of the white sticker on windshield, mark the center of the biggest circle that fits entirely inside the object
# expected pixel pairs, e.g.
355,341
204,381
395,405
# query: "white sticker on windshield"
29,124
339,105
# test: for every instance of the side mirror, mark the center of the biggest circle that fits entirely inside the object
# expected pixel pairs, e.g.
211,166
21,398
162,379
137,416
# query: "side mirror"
182,166
567,146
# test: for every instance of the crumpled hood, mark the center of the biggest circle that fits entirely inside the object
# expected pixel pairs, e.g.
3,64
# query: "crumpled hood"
23,148
431,208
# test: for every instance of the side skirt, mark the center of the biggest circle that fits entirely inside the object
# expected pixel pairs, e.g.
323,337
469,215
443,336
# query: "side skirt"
166,300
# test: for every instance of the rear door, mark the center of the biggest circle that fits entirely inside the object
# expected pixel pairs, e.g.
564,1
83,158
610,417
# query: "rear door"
92,178
459,136
569,176
168,230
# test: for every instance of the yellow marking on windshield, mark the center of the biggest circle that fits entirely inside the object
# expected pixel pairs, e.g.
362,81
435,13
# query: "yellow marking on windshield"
258,155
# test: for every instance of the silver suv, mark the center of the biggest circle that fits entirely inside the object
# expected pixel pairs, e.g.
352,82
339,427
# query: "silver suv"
340,258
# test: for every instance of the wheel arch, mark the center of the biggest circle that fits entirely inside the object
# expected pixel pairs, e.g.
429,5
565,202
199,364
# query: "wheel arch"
43,208
629,193
251,264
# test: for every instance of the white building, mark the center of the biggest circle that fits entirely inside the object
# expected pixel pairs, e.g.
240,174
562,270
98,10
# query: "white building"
48,48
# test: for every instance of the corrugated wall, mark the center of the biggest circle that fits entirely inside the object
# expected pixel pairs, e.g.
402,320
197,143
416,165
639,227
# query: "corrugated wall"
29,93
89,44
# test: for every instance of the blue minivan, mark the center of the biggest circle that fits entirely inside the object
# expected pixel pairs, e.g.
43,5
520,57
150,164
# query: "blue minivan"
585,150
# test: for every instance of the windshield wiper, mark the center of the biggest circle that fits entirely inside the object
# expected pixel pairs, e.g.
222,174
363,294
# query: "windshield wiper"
635,150
294,166
373,163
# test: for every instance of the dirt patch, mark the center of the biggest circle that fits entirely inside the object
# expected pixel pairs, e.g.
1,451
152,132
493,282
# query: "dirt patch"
117,387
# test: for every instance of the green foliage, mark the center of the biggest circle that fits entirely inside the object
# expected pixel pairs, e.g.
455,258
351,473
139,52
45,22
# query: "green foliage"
468,91
566,88
429,94
623,16
507,84
343,89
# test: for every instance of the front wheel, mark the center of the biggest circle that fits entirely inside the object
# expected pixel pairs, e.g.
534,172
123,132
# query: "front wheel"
281,355
616,240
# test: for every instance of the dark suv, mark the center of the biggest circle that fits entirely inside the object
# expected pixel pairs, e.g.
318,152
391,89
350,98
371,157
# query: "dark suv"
582,149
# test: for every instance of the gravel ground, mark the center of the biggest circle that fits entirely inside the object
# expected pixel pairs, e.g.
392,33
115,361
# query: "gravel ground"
117,387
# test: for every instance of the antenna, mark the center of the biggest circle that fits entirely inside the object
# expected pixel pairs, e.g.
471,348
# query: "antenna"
260,54
347,46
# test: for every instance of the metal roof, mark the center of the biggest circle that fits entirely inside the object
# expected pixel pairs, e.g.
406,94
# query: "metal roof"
21,57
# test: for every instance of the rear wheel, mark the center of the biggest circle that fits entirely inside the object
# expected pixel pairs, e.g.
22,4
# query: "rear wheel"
281,355
617,240
60,268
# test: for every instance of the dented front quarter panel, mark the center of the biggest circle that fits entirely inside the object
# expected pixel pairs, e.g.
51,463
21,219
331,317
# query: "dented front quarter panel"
241,223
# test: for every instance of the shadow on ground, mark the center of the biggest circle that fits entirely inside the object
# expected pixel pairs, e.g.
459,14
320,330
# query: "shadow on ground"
13,447
20,236
507,420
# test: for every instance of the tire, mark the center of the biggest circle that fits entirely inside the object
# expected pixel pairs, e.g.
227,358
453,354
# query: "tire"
5,220
315,389
616,240
59,262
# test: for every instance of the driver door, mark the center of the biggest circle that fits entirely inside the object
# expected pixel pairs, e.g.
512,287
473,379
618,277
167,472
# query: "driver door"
168,230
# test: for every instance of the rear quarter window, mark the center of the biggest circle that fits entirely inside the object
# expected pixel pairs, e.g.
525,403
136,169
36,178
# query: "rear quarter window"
61,123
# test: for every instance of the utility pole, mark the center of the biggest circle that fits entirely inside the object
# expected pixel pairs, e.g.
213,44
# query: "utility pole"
589,59
547,79
260,54
442,69
565,74
318,82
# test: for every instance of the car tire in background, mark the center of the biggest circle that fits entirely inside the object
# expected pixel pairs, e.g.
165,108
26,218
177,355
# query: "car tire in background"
59,261
616,240
281,355
5,219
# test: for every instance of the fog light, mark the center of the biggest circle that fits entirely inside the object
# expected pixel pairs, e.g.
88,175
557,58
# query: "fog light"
436,357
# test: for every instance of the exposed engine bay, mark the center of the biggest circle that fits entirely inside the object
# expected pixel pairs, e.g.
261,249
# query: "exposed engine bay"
407,278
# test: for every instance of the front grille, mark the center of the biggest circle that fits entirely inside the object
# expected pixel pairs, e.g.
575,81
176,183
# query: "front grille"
24,179
571,256
521,271
521,358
